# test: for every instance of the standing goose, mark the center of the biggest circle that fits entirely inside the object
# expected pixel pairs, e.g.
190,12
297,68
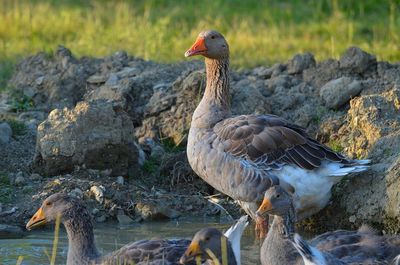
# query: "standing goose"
363,246
81,246
244,155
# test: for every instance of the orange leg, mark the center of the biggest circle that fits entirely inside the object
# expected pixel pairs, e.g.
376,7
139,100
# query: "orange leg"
262,226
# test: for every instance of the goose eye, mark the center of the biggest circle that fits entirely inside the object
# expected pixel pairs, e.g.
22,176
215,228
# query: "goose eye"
213,37
278,195
48,203
207,238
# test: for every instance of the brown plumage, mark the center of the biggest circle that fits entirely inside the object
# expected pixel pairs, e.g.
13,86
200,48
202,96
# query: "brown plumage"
273,142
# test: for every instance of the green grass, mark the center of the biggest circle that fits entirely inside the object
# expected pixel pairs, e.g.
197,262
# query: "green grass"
6,189
259,32
335,146
18,127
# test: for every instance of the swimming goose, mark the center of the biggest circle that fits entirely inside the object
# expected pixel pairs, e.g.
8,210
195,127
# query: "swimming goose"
81,246
244,155
363,246
211,238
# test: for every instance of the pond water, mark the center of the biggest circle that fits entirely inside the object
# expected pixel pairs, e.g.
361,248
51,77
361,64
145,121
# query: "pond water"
112,236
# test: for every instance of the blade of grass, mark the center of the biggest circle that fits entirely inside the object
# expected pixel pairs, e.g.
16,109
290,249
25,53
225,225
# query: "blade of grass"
19,261
55,242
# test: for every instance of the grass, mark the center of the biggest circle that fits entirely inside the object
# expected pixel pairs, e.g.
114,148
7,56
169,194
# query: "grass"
6,189
260,32
18,128
335,146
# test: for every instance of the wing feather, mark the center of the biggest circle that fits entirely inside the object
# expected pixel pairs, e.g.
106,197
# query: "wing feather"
272,141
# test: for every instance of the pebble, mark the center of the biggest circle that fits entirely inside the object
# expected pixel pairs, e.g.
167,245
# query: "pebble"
5,133
120,180
101,219
339,91
78,193
35,176
124,219
98,192
352,219
19,180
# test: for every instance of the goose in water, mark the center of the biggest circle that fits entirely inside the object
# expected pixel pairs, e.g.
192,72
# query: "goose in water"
81,246
242,156
211,239
363,246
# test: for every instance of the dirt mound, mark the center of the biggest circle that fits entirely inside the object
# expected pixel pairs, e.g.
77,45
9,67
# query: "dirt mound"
351,104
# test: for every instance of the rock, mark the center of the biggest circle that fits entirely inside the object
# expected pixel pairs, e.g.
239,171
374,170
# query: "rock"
338,92
98,193
96,79
32,115
76,193
101,219
93,133
53,82
19,179
10,231
262,72
300,62
124,219
5,133
128,72
169,111
112,80
149,211
372,117
356,60
35,177
120,180
95,211
247,98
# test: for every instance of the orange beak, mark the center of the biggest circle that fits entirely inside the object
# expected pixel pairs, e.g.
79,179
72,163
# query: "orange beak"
37,219
191,252
199,47
265,206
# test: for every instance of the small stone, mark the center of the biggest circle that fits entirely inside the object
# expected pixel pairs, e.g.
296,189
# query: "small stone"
357,60
128,72
262,72
39,80
120,180
35,176
19,180
352,219
301,62
112,80
124,219
32,115
106,172
101,219
96,79
78,193
338,92
95,211
5,133
98,192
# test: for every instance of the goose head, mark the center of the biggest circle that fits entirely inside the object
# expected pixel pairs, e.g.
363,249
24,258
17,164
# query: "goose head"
204,241
276,202
58,204
210,44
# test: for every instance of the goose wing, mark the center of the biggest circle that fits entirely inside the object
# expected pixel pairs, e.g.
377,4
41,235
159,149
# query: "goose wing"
149,252
271,142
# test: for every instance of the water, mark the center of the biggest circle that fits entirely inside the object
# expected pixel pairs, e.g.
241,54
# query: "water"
112,236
